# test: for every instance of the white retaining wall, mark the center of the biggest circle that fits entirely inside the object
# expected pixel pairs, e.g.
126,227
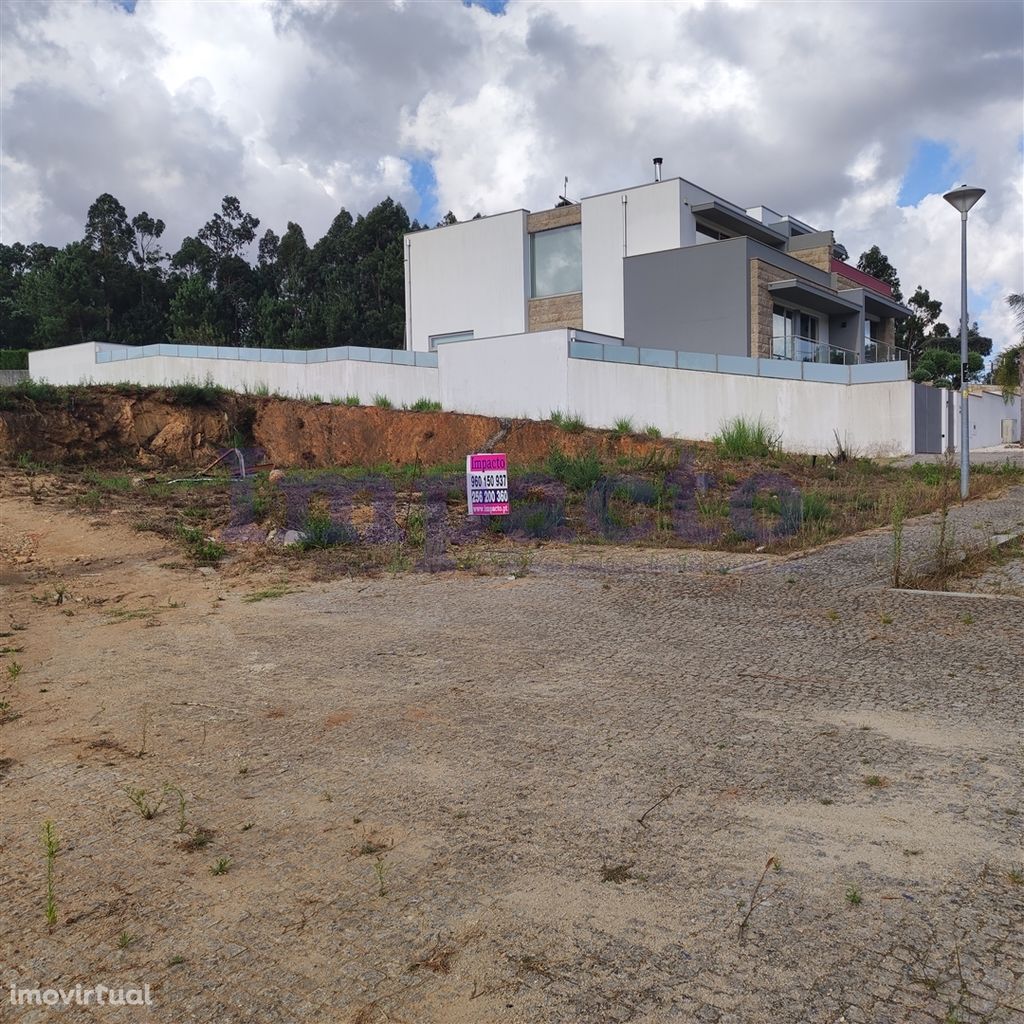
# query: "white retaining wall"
532,375
872,419
401,384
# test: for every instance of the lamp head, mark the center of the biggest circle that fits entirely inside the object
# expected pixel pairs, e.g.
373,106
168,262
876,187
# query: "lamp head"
964,197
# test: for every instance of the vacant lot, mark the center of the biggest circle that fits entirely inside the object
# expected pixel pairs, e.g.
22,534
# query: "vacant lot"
628,786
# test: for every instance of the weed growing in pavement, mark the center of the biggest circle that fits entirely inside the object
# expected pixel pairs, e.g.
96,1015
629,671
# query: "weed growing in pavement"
198,840
381,870
51,847
124,940
14,670
876,781
853,896
221,866
144,802
178,792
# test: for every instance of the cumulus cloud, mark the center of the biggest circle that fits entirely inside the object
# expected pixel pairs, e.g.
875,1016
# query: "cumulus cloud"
300,108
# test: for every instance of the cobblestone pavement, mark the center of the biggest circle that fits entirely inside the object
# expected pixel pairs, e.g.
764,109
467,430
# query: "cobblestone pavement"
626,787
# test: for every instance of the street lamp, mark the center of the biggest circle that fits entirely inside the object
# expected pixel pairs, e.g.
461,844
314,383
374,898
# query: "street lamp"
962,199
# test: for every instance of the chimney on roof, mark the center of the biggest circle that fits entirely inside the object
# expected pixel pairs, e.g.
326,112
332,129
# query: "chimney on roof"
657,168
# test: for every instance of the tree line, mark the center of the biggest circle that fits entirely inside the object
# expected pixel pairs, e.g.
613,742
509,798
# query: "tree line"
118,284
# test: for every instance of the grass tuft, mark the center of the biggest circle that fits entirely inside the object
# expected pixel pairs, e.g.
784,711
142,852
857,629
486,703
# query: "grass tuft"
741,438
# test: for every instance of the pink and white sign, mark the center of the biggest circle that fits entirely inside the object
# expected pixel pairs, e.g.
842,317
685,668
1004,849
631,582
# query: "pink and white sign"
487,484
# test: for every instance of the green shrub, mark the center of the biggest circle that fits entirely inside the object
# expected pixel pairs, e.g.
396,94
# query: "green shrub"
33,391
578,473
201,549
743,438
637,491
383,402
932,473
193,392
815,508
319,530
425,405
556,417
624,425
13,358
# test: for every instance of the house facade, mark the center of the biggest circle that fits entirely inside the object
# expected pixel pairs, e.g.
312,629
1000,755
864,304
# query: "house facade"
666,265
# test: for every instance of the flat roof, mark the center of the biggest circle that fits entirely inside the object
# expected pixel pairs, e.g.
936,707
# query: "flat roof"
806,294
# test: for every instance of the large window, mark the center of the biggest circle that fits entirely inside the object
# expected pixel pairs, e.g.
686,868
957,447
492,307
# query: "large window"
556,262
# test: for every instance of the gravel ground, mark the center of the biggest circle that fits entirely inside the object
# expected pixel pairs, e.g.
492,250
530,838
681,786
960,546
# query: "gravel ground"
546,799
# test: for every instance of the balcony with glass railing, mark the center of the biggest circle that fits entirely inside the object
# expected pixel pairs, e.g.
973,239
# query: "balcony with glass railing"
809,350
879,352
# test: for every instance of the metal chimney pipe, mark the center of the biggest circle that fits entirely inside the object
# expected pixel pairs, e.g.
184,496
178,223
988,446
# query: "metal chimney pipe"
657,168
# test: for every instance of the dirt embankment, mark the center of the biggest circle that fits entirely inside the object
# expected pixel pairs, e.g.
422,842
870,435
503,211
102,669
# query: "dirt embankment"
152,427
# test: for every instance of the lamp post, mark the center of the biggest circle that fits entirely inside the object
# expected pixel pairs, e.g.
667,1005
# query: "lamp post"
962,199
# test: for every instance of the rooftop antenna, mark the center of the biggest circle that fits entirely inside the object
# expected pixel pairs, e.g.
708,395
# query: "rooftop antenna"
563,199
657,168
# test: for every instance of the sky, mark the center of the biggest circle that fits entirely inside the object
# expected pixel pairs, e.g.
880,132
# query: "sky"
851,116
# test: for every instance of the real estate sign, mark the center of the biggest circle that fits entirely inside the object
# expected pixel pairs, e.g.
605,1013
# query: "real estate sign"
487,484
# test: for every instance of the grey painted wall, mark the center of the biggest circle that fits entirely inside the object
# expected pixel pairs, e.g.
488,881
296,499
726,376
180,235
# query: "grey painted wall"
851,336
694,299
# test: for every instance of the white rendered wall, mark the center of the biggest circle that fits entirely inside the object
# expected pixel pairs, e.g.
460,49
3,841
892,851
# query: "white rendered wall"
523,375
531,375
872,419
987,410
401,384
467,277
653,221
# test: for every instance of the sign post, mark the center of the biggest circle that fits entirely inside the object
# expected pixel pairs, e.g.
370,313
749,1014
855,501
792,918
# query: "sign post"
487,484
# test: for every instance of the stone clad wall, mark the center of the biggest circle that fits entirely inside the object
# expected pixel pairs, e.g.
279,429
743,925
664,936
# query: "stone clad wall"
556,311
820,256
761,275
559,217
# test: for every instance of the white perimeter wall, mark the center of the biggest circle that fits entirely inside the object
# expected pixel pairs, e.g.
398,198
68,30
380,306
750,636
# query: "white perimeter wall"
402,384
654,216
531,375
987,410
523,375
872,419
467,277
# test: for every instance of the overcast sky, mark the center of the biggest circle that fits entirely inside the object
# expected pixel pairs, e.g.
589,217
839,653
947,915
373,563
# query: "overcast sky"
855,116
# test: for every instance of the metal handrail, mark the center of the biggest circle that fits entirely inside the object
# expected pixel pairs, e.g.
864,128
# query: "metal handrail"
808,350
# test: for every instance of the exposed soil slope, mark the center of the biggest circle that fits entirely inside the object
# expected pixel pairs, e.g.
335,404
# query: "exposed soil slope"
152,426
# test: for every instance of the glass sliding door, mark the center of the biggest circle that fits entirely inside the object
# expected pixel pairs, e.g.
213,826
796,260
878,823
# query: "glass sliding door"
794,335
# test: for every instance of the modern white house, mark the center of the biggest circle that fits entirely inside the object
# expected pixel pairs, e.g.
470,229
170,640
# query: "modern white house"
665,265
663,305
